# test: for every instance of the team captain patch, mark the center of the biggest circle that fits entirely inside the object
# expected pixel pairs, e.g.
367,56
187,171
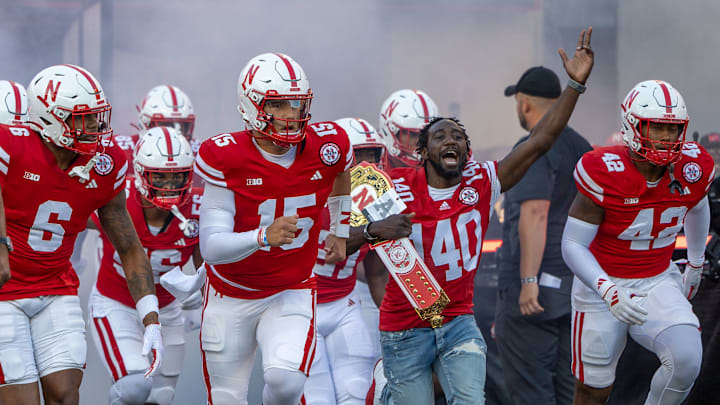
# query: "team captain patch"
330,153
692,172
104,164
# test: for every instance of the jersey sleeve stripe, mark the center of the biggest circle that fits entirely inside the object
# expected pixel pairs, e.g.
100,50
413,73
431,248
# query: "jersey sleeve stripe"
4,159
121,172
207,173
582,184
710,179
587,182
3,168
349,159
495,185
119,183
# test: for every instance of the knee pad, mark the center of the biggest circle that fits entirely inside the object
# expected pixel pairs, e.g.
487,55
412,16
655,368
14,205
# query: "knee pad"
132,389
161,395
353,389
283,385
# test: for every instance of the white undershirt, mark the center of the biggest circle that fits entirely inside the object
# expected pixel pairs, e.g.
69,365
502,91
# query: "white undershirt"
155,230
439,194
285,160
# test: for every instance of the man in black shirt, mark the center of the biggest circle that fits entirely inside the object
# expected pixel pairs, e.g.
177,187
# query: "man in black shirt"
533,307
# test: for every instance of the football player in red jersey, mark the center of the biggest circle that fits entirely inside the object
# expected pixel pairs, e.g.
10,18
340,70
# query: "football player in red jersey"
619,240
259,225
347,346
402,115
165,213
59,174
453,199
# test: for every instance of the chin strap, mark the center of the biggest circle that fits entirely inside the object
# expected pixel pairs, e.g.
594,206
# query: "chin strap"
187,227
675,184
83,172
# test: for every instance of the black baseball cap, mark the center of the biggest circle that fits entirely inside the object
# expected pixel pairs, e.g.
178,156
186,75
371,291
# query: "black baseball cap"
537,81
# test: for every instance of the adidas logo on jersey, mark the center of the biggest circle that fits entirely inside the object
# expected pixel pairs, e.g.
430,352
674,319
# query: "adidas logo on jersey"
316,176
92,184
444,206
350,302
180,242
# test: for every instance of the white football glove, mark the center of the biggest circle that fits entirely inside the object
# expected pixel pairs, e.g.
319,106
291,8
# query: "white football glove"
620,302
181,285
152,341
691,280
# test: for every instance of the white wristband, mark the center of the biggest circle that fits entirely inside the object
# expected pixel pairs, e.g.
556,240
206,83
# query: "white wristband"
147,304
339,207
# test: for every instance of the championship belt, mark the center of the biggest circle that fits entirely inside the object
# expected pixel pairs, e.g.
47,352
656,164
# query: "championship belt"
374,198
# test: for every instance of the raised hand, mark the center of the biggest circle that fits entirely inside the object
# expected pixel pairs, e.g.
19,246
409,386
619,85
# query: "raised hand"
579,67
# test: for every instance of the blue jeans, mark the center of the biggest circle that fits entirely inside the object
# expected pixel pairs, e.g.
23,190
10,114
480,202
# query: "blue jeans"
455,352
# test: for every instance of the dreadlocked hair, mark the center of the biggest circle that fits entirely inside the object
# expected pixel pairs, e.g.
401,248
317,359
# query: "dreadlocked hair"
425,132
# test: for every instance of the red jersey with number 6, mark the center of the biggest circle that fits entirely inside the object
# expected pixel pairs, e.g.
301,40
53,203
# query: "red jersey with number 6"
45,209
169,248
265,191
447,234
637,235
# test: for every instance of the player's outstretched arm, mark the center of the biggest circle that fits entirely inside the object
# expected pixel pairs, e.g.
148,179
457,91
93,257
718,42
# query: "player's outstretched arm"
513,167
391,228
4,253
118,227
697,226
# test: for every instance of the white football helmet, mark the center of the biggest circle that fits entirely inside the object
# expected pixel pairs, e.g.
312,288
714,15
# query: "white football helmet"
402,116
274,76
13,103
167,106
66,91
362,135
163,163
653,101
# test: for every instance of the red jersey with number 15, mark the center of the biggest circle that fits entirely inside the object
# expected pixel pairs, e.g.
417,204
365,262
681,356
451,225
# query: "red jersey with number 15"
447,234
167,249
265,191
637,235
45,209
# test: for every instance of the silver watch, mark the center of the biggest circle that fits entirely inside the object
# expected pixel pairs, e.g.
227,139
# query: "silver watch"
6,241
366,234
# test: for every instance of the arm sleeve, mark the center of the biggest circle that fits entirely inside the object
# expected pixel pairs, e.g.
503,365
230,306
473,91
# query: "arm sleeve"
218,243
576,241
697,225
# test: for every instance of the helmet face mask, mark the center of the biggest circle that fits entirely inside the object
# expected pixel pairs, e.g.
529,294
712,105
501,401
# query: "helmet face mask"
67,106
163,164
652,105
274,98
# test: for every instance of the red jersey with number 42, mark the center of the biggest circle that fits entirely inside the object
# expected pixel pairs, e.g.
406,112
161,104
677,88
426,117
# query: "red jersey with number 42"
447,234
265,191
637,235
335,281
167,249
45,209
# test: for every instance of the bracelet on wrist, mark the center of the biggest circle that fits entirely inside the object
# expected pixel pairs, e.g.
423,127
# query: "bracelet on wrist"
580,88
529,280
